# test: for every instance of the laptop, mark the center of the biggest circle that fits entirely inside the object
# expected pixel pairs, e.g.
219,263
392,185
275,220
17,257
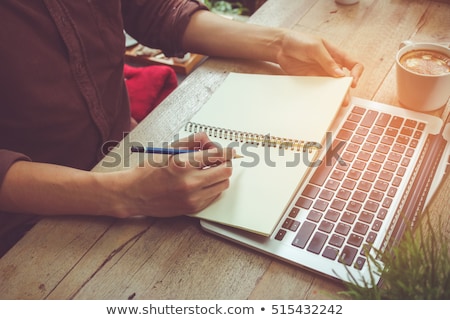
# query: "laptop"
374,179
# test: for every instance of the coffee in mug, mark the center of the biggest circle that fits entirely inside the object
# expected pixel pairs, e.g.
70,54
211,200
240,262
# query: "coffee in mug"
423,76
426,62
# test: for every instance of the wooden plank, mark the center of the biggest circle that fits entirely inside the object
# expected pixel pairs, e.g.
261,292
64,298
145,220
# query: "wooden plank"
110,245
283,281
370,30
50,250
173,260
281,13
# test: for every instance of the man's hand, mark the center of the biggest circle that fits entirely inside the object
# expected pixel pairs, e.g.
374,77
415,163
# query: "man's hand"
305,54
179,184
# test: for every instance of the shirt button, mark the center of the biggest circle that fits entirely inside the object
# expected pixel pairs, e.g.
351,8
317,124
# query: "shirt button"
79,68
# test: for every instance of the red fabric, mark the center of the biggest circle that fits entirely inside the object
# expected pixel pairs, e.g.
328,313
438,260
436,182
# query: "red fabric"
147,87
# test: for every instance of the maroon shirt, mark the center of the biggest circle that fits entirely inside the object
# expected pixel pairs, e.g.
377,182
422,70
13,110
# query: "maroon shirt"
62,90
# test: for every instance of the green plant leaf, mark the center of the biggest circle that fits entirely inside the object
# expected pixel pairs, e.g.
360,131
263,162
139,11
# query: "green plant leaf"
418,268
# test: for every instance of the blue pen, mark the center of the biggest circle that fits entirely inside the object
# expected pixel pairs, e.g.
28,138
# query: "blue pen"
159,150
170,151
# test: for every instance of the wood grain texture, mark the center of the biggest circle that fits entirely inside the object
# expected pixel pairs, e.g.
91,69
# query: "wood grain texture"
105,258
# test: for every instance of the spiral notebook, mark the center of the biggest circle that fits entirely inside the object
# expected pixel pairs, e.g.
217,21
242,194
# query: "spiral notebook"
277,123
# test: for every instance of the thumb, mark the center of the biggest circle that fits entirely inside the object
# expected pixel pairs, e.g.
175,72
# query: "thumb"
327,62
215,156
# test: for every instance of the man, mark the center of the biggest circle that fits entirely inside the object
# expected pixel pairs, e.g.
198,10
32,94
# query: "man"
63,96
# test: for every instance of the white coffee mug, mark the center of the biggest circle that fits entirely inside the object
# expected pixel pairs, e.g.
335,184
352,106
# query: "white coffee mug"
418,91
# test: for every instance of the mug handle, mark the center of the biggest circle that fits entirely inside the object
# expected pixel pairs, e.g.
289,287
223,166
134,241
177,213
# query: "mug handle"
405,43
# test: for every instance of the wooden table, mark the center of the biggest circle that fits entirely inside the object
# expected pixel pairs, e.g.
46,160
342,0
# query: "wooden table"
105,258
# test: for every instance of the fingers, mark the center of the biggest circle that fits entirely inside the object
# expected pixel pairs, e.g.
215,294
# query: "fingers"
198,187
205,168
334,60
196,141
178,184
204,158
346,99
305,54
356,73
324,56
205,196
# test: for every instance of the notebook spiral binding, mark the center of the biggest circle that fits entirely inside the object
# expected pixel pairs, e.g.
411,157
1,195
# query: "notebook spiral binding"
252,138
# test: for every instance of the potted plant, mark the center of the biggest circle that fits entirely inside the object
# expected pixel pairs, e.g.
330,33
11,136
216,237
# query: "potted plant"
418,268
227,8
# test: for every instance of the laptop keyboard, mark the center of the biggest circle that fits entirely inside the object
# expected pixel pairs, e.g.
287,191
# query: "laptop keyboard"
349,195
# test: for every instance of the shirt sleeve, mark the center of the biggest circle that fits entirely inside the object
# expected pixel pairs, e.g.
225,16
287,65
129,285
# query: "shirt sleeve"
7,159
159,24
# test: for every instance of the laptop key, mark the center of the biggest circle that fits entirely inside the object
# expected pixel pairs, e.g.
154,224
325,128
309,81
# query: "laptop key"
304,203
317,242
369,118
355,240
294,212
310,191
396,122
371,237
330,253
383,120
348,217
280,234
332,215
343,228
287,224
326,226
366,217
336,240
410,123
359,264
360,228
303,235
314,215
348,255
323,170
359,110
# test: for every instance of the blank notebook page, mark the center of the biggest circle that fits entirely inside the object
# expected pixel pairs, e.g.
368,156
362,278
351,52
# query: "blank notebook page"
263,182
